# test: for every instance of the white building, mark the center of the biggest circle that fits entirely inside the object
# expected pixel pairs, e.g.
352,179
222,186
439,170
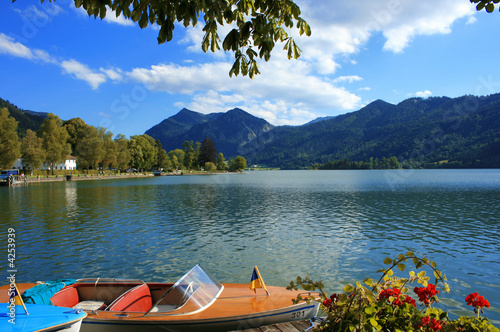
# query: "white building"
69,164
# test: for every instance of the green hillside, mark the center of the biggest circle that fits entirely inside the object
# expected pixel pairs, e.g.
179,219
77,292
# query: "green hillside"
26,119
458,132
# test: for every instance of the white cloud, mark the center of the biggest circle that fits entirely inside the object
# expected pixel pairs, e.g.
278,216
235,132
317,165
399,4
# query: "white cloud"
110,16
193,38
471,20
80,71
423,18
277,112
344,27
9,46
348,79
423,94
83,72
40,15
104,115
285,93
120,20
113,74
173,78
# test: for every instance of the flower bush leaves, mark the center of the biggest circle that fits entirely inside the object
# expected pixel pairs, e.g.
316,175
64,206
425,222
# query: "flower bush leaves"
385,305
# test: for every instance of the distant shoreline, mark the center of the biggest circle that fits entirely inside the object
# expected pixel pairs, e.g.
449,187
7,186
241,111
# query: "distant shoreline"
20,180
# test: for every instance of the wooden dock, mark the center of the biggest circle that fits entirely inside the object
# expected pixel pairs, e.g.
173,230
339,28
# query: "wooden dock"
13,180
303,325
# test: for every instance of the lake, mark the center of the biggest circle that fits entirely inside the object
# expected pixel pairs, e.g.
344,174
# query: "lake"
338,226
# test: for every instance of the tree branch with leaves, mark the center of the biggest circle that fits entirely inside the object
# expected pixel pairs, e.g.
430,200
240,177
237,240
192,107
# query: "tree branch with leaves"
488,5
258,24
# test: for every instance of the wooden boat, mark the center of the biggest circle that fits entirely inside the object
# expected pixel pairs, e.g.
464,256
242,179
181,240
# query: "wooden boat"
41,318
196,302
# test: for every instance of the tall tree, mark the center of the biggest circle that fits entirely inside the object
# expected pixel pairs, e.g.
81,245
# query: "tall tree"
89,148
237,164
162,160
175,162
210,166
196,156
208,153
142,151
123,153
76,129
32,150
189,154
10,147
55,140
221,162
258,24
136,155
110,151
177,157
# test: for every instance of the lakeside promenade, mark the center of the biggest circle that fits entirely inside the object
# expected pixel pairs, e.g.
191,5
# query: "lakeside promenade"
22,180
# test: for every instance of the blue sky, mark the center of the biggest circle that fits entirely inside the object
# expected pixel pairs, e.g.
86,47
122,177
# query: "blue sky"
54,58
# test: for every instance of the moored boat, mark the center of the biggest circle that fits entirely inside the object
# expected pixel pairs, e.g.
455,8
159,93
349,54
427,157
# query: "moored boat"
40,318
196,302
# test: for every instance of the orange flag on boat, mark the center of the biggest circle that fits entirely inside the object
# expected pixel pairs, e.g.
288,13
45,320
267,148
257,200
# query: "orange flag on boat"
257,281
15,298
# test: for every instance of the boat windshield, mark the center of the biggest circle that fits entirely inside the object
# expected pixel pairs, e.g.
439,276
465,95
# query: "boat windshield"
193,292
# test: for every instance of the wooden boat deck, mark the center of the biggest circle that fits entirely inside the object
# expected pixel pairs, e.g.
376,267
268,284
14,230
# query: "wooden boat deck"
293,326
284,327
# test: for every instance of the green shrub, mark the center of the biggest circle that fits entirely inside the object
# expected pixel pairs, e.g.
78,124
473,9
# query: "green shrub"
385,305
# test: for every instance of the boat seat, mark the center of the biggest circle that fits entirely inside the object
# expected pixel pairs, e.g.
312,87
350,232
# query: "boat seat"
66,297
137,299
90,305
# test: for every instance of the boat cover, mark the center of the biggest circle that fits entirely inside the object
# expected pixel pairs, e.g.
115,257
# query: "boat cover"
40,317
41,294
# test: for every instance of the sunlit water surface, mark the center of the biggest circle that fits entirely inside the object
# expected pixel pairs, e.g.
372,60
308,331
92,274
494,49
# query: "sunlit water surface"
337,226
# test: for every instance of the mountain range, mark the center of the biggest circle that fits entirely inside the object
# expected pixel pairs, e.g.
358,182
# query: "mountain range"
451,132
231,131
420,132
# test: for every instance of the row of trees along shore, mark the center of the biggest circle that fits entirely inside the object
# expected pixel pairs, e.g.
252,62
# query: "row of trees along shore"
96,149
370,163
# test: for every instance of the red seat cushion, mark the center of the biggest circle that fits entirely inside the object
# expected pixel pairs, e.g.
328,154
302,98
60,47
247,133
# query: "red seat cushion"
137,299
66,297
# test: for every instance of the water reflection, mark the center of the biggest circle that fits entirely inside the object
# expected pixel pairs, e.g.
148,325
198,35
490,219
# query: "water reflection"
71,201
338,226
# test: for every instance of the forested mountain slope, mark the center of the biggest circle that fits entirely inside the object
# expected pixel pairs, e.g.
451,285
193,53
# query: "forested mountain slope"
230,131
26,119
462,131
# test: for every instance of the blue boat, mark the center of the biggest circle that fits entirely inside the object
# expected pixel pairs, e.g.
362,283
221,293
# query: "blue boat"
40,318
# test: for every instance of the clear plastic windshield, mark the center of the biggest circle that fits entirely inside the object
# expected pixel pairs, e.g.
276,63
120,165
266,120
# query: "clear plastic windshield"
195,291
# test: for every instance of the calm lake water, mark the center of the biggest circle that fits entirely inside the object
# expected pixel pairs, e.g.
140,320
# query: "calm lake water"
337,226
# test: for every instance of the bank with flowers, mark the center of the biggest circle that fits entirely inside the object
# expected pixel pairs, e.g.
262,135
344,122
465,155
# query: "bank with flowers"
389,304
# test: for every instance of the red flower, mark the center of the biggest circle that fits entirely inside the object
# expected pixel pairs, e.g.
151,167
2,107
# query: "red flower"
396,294
431,323
427,294
328,302
477,301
